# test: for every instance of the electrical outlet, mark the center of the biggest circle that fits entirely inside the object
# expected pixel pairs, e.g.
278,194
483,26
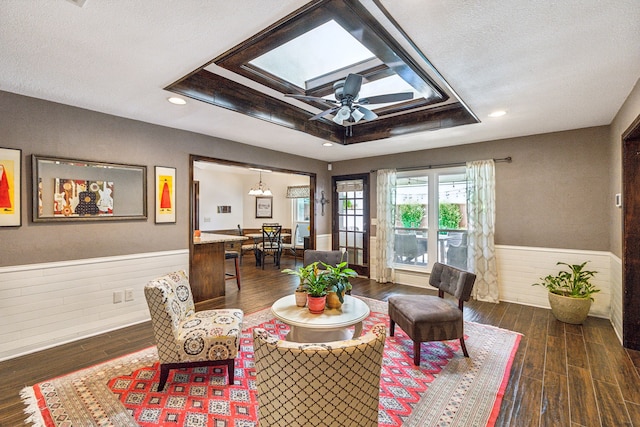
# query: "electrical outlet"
207,219
128,294
118,297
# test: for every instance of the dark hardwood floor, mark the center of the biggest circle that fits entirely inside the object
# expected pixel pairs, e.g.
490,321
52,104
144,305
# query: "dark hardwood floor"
563,375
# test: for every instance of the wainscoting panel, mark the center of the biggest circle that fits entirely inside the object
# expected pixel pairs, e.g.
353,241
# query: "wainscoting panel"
43,305
323,242
616,295
519,267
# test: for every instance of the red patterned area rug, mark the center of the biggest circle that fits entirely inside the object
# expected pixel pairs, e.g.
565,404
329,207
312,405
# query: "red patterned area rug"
446,390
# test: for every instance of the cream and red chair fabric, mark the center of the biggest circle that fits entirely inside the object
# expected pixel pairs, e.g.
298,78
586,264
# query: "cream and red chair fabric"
324,384
185,337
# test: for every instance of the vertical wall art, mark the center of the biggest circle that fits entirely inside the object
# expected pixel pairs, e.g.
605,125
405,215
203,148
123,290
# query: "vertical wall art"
10,180
165,194
264,207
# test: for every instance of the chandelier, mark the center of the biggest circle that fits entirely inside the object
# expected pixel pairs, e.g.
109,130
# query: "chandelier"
261,189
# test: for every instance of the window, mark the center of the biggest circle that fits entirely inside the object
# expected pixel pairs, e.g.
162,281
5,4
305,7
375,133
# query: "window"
301,216
423,235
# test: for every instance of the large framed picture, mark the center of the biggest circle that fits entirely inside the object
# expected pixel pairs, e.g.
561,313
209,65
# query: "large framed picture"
10,190
81,190
165,195
264,207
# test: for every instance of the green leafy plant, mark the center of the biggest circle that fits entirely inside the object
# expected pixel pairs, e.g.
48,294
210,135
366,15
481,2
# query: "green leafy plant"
411,214
338,278
317,282
312,279
450,216
574,283
303,273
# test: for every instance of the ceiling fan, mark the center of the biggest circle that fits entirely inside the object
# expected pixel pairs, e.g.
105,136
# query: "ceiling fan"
347,107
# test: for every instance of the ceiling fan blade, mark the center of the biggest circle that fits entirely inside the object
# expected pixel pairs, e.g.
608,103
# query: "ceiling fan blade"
368,114
311,98
324,113
383,99
352,85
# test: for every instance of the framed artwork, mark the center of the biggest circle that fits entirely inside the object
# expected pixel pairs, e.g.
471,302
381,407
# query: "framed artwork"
165,195
10,190
81,190
264,207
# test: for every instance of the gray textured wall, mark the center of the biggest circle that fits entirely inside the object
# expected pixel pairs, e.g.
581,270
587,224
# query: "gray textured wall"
50,129
555,193
558,192
629,111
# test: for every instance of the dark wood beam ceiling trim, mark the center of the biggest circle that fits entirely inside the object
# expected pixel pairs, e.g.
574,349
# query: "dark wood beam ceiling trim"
417,121
222,92
412,116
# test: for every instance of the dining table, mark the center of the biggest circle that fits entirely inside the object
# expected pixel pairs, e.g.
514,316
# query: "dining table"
257,238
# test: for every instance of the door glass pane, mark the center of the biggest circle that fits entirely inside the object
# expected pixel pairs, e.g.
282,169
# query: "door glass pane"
343,239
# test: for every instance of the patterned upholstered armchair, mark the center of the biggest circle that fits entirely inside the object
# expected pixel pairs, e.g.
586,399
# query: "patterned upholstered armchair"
189,338
330,384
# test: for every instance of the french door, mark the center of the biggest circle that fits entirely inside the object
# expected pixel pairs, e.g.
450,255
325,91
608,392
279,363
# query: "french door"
350,224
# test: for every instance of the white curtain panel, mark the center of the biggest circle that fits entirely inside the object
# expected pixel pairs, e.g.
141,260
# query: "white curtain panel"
386,193
481,212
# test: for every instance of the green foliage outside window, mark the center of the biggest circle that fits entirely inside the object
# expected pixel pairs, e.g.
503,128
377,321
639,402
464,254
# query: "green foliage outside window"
450,216
411,214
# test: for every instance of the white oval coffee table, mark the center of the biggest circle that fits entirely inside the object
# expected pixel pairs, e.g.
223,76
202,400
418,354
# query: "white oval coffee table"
331,325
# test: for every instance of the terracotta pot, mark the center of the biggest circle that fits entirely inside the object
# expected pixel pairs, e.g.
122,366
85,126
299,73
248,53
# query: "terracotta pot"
316,304
569,310
301,298
333,301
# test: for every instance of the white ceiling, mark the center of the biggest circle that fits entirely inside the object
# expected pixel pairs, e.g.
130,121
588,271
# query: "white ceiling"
551,64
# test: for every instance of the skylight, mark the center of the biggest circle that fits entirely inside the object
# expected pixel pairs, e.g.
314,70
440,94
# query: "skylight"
320,51
298,59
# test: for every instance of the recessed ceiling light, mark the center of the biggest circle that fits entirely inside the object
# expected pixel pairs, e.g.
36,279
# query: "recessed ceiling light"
498,113
327,144
177,101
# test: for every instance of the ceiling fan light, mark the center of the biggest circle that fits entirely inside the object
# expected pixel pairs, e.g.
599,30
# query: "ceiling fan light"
357,115
342,115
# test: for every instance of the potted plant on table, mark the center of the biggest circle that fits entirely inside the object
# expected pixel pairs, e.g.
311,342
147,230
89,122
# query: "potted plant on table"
316,286
301,291
570,292
338,283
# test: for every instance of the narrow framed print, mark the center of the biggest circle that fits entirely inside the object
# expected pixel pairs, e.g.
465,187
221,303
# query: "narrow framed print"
165,195
10,187
264,207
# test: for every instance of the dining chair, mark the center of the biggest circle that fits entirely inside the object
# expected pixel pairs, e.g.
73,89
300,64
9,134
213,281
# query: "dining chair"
247,247
291,247
271,244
